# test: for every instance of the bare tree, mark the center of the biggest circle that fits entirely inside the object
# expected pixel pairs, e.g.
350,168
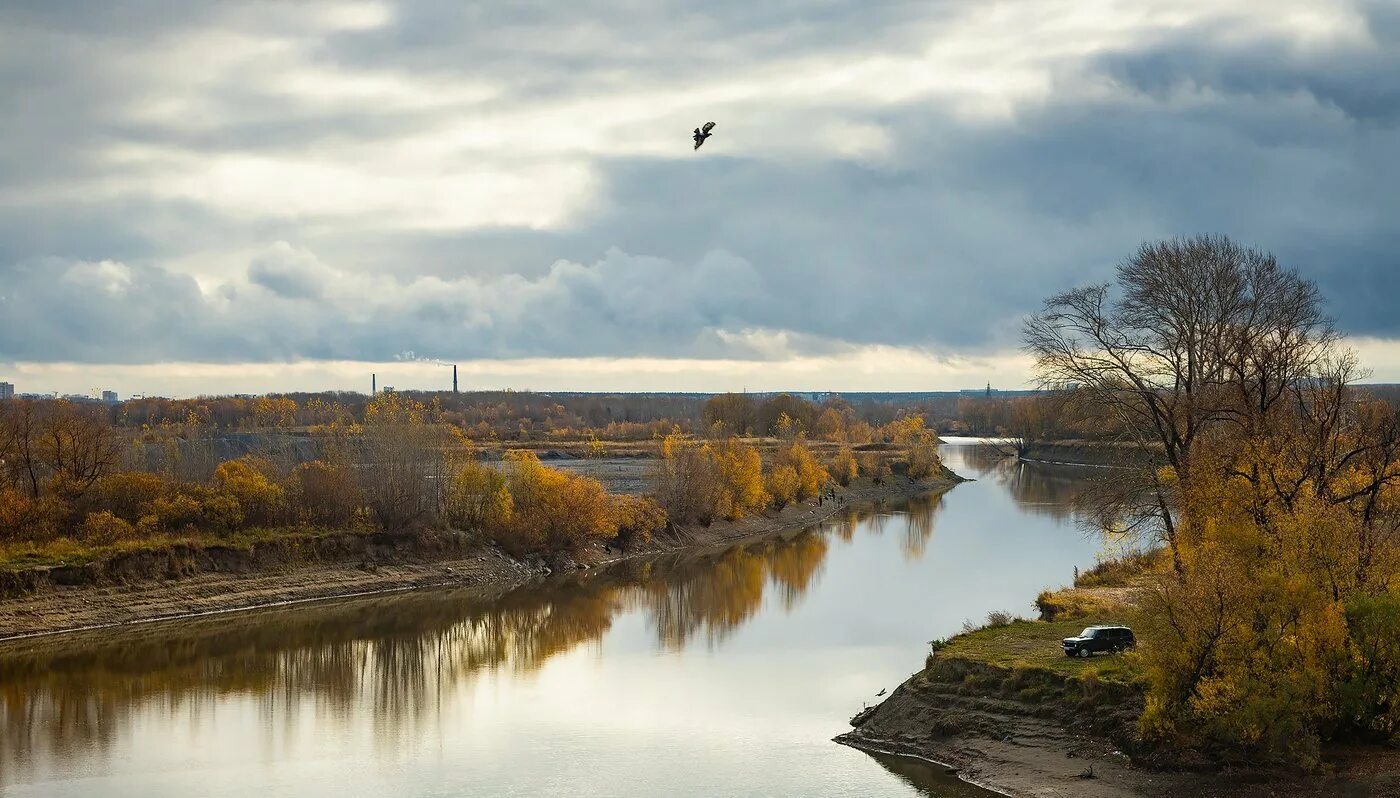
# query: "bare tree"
1197,332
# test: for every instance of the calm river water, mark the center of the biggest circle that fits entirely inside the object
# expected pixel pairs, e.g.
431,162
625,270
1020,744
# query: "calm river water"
720,675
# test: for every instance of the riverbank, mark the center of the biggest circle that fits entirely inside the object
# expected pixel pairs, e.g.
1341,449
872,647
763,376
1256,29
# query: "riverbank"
1004,708
192,583
1098,454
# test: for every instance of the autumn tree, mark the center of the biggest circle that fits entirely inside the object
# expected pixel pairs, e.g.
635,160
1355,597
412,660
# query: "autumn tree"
1273,483
1195,332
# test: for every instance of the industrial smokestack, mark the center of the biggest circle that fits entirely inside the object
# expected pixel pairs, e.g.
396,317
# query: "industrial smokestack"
454,378
373,384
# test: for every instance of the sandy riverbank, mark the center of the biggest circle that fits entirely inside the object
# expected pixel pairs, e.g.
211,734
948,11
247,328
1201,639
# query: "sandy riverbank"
59,608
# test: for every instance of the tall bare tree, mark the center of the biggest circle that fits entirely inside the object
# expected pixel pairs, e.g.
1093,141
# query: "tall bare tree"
1196,332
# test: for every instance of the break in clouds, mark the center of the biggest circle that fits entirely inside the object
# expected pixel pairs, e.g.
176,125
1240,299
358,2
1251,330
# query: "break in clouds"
342,180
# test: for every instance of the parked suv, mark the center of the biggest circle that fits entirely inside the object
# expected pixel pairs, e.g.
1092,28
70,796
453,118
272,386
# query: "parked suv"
1099,638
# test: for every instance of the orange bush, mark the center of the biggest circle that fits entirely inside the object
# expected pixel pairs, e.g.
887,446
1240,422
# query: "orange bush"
553,511
637,519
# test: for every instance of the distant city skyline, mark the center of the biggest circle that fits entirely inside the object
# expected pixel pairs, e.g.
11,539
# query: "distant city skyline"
894,370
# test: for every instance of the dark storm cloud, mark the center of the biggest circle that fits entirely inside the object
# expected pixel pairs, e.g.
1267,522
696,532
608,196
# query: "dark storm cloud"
940,234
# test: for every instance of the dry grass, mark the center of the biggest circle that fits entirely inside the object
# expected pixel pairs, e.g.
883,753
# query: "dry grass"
19,556
1024,644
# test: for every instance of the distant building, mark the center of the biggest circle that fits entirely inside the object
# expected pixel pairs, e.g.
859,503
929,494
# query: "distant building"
110,397
7,390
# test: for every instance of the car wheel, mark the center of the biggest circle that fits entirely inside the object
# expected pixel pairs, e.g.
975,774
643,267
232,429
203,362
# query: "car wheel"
1083,652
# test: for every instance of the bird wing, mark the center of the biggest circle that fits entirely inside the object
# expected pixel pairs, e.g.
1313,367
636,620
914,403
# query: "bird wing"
698,142
697,132
708,126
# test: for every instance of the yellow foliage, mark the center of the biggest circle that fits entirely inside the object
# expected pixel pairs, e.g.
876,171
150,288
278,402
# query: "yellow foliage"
551,510
784,484
479,499
103,527
129,494
811,477
843,467
741,478
637,518
248,480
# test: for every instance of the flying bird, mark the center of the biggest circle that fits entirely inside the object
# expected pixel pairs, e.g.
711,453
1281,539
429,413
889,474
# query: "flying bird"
702,133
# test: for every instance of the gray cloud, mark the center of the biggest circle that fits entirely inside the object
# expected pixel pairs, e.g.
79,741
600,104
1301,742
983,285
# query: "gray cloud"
128,232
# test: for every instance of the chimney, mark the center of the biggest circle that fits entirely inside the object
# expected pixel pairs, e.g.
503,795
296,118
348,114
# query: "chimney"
373,384
454,378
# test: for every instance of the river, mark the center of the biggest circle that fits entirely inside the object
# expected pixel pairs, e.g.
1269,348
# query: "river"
724,674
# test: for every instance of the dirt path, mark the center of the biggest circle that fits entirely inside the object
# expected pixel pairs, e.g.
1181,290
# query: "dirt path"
65,609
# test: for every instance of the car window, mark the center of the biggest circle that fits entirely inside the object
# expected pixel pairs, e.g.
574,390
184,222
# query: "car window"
1088,632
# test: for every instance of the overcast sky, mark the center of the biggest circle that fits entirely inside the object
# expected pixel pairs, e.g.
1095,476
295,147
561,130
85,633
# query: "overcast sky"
218,196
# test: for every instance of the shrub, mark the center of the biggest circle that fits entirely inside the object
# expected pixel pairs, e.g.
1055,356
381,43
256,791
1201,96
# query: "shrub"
324,493
810,475
105,527
24,518
688,483
1371,692
221,511
741,479
1118,571
637,519
479,499
700,482
173,512
129,494
874,465
783,484
843,467
1066,604
552,511
249,480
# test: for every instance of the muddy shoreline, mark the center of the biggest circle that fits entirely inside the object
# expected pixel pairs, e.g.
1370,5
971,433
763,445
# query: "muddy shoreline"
1033,734
367,568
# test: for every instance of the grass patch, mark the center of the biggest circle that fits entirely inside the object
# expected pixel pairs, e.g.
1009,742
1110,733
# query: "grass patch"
1025,644
1072,604
1123,571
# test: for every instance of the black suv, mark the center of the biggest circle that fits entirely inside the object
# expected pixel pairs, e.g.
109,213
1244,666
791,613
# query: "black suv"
1099,638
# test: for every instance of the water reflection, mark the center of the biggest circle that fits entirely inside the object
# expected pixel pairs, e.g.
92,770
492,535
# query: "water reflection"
928,779
394,658
1046,489
721,673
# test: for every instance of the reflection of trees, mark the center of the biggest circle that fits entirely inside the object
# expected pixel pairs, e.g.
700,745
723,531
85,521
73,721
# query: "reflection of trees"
394,659
918,519
717,597
1038,488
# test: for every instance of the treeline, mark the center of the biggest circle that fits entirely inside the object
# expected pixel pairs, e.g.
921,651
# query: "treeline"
67,473
525,417
1274,490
